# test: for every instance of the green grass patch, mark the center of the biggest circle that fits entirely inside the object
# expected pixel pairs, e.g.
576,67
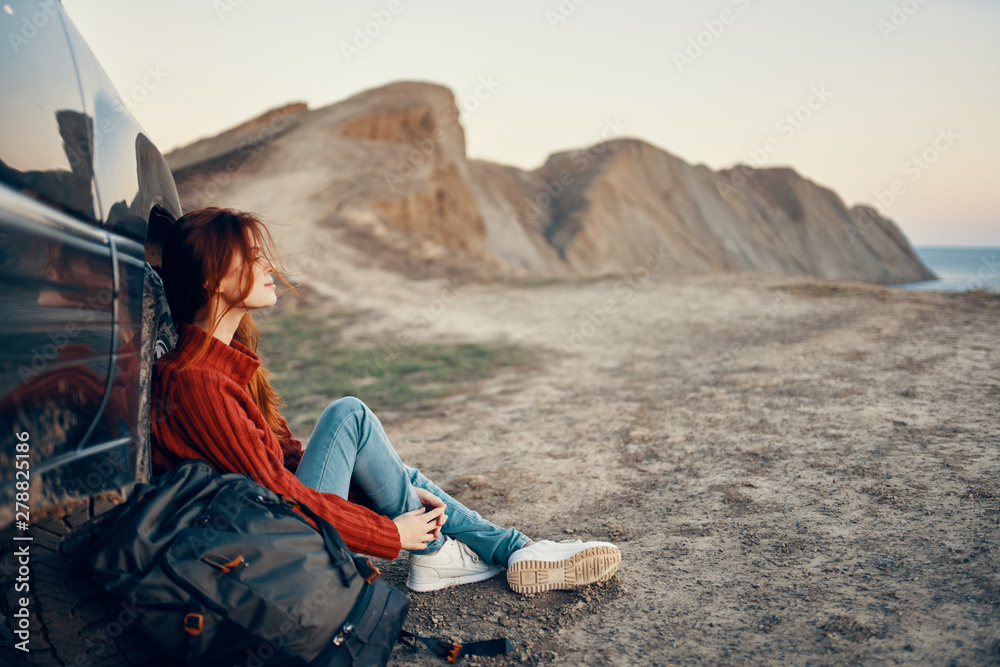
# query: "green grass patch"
311,366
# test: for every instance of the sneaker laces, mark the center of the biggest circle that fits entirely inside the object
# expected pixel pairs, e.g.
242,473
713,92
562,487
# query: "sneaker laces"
465,550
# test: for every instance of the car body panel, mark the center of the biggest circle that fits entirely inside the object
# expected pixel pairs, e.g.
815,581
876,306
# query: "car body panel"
44,145
85,197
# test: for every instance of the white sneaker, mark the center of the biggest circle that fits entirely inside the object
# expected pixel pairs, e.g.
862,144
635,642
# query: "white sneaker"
453,564
548,565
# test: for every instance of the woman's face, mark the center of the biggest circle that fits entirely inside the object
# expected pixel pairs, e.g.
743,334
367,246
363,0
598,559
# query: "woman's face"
262,293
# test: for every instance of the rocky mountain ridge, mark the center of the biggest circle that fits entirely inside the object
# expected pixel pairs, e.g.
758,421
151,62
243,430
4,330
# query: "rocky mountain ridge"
392,159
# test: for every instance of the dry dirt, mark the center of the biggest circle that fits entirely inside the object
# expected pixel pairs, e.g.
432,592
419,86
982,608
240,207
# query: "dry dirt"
796,472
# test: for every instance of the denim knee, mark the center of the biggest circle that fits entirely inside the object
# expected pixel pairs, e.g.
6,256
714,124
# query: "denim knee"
345,405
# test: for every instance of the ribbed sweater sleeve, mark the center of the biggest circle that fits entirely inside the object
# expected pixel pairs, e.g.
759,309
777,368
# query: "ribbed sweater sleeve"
199,413
290,447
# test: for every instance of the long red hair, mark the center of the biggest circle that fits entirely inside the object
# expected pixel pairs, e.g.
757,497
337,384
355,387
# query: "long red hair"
197,253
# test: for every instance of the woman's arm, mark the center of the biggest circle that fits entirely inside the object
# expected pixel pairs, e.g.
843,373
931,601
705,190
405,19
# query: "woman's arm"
213,419
290,447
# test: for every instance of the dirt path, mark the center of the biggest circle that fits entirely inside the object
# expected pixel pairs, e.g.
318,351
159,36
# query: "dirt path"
801,475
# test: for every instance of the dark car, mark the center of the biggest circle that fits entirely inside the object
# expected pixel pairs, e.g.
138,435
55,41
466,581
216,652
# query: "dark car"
85,200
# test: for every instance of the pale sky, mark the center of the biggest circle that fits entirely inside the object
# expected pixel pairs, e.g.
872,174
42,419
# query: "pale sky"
887,80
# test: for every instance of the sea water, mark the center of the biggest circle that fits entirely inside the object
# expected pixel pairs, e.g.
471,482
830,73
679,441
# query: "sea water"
960,268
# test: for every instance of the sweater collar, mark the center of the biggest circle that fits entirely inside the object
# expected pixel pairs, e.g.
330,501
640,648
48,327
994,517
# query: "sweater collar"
235,360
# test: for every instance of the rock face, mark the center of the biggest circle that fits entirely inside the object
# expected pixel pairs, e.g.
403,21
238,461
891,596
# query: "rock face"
395,156
609,207
233,139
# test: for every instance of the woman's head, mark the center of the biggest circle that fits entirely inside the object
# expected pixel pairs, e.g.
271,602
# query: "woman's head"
215,261
216,264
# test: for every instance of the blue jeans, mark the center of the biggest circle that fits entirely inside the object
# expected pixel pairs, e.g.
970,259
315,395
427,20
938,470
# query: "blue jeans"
349,441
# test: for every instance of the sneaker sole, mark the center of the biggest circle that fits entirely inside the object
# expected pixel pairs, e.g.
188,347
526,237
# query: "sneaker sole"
439,584
590,566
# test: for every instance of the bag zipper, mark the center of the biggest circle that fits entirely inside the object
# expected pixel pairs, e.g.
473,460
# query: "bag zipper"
356,614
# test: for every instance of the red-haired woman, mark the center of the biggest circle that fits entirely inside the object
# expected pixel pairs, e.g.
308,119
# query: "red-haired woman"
212,401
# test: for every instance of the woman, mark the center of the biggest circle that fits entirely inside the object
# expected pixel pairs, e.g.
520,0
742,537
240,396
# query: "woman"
212,400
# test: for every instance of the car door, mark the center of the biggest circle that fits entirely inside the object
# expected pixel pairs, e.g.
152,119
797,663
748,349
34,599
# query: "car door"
60,275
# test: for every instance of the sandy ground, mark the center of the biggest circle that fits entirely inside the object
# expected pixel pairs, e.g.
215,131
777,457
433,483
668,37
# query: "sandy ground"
796,472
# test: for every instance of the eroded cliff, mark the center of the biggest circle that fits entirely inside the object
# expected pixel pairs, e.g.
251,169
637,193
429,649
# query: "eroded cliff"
395,156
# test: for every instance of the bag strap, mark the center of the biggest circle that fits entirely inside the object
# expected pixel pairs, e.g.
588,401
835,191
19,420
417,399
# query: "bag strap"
452,650
193,624
334,543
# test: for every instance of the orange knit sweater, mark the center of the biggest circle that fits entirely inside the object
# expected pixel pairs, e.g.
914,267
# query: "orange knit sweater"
205,411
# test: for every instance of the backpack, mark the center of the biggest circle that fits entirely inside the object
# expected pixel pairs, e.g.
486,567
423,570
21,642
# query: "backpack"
221,570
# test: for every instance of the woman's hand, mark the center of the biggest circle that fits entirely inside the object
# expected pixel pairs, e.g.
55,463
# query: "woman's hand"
418,527
430,501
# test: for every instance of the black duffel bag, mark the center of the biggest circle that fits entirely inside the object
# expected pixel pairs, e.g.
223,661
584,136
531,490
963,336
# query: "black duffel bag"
223,571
